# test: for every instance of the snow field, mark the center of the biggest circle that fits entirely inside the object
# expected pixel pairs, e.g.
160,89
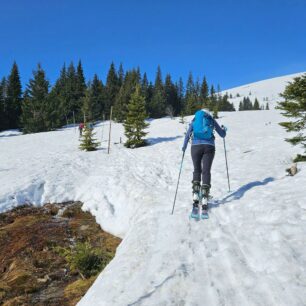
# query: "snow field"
251,251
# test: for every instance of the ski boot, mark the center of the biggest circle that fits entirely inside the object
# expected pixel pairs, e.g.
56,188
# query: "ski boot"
195,213
196,188
205,197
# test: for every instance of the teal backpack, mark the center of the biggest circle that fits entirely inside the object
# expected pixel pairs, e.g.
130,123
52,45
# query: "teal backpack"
203,126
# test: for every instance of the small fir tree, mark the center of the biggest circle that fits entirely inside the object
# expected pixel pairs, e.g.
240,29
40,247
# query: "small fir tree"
182,120
240,106
294,107
135,124
88,142
267,106
215,113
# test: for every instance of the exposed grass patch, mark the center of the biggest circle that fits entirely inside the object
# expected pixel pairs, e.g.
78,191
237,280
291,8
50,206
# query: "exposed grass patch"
46,259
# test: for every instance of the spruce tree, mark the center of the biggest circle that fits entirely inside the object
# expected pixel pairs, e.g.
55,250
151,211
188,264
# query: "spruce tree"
267,106
87,108
145,89
212,98
149,104
157,105
256,105
97,97
80,89
135,124
172,101
112,88
131,80
215,113
247,104
13,98
88,142
120,107
35,108
294,107
240,106
191,98
204,93
180,94
120,75
197,89
73,103
3,123
59,100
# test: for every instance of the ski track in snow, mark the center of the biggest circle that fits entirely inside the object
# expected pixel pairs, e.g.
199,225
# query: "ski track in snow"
251,250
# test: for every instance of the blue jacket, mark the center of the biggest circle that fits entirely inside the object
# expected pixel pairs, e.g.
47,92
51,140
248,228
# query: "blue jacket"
220,131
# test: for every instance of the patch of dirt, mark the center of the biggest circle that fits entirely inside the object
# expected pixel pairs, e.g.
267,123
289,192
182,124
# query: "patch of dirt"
32,272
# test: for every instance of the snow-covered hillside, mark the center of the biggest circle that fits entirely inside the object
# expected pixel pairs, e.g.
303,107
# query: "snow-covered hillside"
252,250
266,91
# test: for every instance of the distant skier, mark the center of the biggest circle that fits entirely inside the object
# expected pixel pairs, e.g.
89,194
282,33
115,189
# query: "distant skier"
202,152
81,127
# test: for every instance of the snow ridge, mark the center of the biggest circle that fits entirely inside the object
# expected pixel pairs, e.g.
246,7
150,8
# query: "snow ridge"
266,91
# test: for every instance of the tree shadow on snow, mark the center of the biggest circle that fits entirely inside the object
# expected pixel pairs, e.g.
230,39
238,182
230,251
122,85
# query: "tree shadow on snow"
10,133
153,141
238,194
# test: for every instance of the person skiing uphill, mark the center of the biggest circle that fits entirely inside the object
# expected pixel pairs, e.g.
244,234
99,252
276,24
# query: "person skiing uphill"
202,152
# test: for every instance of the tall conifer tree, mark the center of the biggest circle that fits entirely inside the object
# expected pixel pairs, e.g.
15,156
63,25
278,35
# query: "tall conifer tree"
35,108
59,99
120,75
180,94
98,99
112,87
172,101
72,99
205,93
80,82
3,122
158,102
192,104
13,98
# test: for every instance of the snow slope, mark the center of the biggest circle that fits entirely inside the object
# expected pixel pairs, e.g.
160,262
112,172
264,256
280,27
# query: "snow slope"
252,250
266,91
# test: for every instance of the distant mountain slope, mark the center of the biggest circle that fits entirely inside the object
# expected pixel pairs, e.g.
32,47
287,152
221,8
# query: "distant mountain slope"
266,91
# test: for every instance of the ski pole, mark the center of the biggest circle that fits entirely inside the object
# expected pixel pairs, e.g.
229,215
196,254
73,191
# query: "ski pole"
229,187
178,182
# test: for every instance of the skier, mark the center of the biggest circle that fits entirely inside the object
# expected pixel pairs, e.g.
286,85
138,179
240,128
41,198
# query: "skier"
81,127
202,153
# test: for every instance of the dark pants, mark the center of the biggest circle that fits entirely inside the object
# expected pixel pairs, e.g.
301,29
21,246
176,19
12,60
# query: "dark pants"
202,157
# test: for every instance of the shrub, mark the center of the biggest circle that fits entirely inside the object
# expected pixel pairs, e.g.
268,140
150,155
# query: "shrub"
85,259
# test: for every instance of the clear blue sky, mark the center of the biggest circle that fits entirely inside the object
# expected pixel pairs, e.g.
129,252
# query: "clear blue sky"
231,42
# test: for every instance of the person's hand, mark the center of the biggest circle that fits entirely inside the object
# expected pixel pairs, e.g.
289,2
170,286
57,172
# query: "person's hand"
183,149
